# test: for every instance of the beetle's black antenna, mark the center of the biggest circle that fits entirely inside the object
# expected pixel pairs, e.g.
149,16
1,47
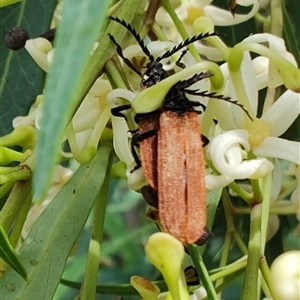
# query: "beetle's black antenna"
135,35
186,43
126,60
184,105
184,84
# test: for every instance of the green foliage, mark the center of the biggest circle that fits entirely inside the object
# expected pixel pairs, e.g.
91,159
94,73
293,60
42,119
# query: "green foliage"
55,233
8,254
21,78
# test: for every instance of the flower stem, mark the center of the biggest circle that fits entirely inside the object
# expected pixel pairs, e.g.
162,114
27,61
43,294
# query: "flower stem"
257,195
178,23
240,192
5,188
230,269
266,191
274,210
202,272
114,72
250,285
19,173
114,289
276,17
289,73
264,268
14,204
19,221
93,261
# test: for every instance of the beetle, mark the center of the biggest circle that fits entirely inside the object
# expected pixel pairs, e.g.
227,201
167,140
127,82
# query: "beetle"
178,174
171,150
181,165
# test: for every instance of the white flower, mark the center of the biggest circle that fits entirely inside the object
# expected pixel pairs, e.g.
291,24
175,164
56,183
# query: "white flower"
191,10
34,116
60,177
228,153
92,110
259,136
199,16
41,51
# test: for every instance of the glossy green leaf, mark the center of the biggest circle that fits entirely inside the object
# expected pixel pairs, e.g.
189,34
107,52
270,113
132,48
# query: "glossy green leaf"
72,74
290,34
80,25
21,78
46,248
8,254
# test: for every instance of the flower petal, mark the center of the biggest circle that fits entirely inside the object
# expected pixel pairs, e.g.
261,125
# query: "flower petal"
277,46
217,181
261,67
135,179
227,156
38,49
222,17
87,114
283,112
147,289
120,140
279,148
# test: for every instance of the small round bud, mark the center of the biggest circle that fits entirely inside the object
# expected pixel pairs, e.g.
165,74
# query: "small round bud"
16,38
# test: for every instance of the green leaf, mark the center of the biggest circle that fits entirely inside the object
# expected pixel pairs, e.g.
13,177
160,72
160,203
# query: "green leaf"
8,254
289,33
46,248
80,25
21,78
72,74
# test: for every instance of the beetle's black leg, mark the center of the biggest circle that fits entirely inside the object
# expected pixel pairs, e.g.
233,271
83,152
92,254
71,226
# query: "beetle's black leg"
186,43
178,62
138,137
116,111
205,140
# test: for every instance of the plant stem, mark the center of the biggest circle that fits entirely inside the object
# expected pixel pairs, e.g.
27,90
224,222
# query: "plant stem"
5,188
276,17
181,29
266,191
14,203
230,269
241,192
116,74
89,284
114,289
250,285
202,272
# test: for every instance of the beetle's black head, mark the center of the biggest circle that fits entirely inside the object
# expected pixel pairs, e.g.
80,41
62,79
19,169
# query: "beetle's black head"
154,73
